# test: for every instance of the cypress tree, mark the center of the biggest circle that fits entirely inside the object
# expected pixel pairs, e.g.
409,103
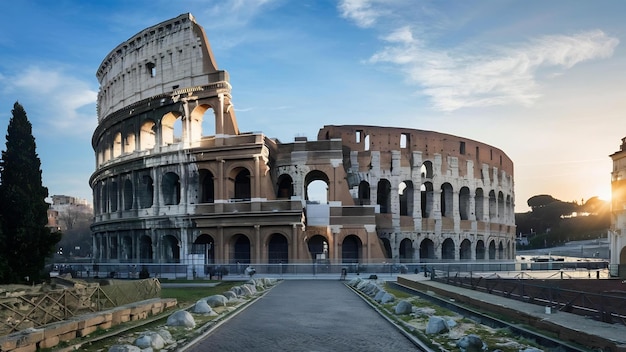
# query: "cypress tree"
27,242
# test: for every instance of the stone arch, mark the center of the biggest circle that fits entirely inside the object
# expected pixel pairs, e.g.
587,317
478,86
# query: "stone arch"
196,122
351,249
492,250
117,145
104,197
240,185
147,136
427,249
240,249
127,248
145,249
479,200
500,206
146,192
447,249
285,187
426,170
127,194
405,191
480,250
277,249
447,207
113,194
383,196
205,245
492,206
170,188
207,186
171,249
465,250
318,248
406,250
428,197
500,250
129,142
364,193
464,203
171,128
316,185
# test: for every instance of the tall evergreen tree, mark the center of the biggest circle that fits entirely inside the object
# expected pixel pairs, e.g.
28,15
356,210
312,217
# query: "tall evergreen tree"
26,241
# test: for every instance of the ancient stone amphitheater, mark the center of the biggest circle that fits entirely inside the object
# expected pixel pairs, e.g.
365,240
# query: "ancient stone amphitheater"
176,181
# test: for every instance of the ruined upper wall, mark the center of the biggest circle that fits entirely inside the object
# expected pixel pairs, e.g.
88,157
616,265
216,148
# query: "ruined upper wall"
429,143
172,55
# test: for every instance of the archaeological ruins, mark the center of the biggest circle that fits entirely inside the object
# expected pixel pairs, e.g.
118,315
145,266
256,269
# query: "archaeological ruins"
177,181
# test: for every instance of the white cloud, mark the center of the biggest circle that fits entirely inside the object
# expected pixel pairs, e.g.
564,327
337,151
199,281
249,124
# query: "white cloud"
57,97
362,12
455,79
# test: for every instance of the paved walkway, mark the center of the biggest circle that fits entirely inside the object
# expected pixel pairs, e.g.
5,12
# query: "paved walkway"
306,315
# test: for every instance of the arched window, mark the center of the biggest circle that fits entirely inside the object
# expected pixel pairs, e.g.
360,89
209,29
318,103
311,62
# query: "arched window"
426,169
479,201
383,196
465,252
316,184
492,206
364,193
285,187
446,200
242,185
447,249
428,195
171,128
405,191
351,249
278,249
117,145
128,194
147,139
464,203
427,249
170,189
146,192
207,188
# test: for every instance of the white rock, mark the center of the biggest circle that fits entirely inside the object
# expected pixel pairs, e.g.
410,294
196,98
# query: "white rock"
181,318
150,340
124,348
216,300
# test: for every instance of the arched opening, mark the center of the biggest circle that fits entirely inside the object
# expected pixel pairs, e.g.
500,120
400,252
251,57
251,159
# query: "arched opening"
207,126
316,184
427,249
241,184
426,170
480,250
285,187
446,200
129,143
479,201
383,196
405,191
447,249
114,247
117,145
146,192
492,250
240,249
278,249
128,194
464,203
171,128
171,249
509,205
207,188
500,251
205,246
500,206
318,248
465,251
492,206
351,249
428,195
145,249
364,193
406,251
127,249
170,189
147,139
113,192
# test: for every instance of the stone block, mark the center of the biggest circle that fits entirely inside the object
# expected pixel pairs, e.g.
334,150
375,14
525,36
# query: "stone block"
118,314
27,348
49,342
86,331
94,319
60,328
106,325
68,336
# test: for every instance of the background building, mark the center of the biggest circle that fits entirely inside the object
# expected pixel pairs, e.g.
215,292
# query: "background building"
176,181
617,233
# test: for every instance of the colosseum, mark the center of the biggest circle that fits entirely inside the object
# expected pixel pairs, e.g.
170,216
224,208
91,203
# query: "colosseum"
176,181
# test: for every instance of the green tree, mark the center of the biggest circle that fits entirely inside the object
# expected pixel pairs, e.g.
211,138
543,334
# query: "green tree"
26,241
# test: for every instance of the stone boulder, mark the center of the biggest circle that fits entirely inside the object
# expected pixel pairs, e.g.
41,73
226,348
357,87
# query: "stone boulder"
425,311
404,307
150,340
387,298
124,348
436,325
202,307
471,343
181,318
230,295
379,295
166,335
216,301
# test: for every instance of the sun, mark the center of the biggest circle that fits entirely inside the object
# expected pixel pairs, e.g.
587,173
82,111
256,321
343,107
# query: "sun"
604,193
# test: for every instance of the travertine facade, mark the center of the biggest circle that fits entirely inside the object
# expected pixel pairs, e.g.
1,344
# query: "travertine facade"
617,234
176,181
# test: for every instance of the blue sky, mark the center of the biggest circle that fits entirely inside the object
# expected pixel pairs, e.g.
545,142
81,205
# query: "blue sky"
545,81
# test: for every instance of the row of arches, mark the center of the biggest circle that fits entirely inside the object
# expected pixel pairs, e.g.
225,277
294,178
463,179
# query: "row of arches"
448,250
